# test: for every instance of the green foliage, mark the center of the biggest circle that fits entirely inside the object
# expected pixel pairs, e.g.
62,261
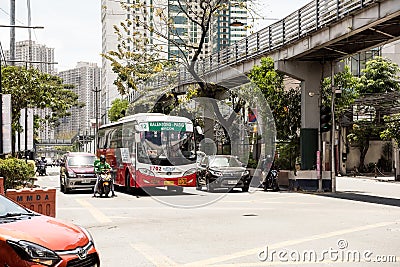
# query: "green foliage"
392,130
16,172
345,81
30,88
252,163
285,104
287,154
118,109
379,76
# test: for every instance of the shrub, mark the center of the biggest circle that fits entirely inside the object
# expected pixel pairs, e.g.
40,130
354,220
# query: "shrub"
252,163
16,172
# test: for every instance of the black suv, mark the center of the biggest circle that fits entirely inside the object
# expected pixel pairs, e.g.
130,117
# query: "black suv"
222,171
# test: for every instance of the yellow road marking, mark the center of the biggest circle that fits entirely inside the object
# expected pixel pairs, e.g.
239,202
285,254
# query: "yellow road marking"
152,255
96,213
286,244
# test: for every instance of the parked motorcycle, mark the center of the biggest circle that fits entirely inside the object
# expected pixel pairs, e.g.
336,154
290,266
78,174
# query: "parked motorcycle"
271,180
105,183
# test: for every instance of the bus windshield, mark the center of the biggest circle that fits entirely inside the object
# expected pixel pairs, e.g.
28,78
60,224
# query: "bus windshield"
167,148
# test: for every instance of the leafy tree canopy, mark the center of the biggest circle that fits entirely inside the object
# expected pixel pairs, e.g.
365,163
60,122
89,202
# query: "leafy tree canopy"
30,88
118,109
284,103
379,76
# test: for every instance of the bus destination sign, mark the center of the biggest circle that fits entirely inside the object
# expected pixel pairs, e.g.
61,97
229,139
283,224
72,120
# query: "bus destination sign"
167,126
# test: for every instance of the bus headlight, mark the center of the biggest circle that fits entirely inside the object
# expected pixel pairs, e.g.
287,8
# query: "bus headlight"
189,172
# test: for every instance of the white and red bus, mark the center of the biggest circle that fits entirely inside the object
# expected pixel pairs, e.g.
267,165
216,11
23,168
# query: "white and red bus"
150,150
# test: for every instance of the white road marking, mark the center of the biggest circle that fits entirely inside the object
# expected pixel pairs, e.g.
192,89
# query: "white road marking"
152,255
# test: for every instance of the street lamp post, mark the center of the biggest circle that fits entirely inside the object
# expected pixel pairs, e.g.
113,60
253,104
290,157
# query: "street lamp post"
333,165
96,91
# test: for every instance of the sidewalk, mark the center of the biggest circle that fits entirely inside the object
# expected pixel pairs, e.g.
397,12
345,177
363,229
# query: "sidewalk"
386,178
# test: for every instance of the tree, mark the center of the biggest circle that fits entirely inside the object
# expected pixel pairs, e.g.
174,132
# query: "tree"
118,109
347,83
140,56
177,49
30,88
285,106
392,130
379,77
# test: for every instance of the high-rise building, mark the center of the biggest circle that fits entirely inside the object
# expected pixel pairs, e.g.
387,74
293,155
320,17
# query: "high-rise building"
34,55
229,25
31,54
86,79
112,13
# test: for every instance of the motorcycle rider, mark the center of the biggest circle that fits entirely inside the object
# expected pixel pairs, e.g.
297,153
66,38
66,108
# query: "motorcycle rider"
101,166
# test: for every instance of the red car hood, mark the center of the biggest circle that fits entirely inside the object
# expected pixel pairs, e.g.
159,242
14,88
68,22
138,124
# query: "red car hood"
82,169
45,231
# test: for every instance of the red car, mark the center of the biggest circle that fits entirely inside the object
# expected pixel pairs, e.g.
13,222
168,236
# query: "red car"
30,239
77,171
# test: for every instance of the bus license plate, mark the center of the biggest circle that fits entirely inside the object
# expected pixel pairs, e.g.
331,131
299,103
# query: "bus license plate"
182,181
168,182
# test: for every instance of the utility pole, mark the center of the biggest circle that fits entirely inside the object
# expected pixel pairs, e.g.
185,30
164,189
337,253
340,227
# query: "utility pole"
28,2
1,106
12,60
12,31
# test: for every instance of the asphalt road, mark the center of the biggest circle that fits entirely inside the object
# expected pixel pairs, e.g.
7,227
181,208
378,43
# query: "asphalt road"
358,226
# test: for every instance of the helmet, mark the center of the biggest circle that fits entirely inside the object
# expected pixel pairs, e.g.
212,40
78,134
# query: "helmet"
103,158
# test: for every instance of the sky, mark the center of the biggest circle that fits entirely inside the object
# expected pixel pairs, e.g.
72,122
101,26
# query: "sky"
73,27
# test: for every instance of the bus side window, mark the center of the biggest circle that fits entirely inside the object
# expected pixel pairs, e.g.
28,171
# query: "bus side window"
101,138
107,139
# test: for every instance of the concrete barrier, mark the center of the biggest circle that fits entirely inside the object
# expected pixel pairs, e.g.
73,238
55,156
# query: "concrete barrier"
1,186
308,180
40,200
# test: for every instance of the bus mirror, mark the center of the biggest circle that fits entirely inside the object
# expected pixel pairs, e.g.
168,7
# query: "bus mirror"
199,130
137,137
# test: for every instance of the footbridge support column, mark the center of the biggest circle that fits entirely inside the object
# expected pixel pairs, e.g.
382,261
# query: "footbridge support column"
310,74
